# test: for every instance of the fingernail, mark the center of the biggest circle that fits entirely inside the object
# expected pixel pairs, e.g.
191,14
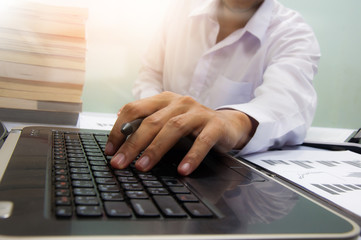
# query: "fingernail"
109,148
118,161
185,168
143,162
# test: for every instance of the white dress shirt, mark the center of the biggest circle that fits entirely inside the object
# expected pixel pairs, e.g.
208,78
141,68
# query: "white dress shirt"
264,69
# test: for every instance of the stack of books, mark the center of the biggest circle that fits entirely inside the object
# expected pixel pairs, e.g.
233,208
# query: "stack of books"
42,62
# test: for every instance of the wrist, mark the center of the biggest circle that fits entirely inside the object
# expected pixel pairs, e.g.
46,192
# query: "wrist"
243,124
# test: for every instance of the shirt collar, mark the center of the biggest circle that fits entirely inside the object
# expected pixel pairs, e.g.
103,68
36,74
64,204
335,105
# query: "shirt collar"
260,21
205,7
257,25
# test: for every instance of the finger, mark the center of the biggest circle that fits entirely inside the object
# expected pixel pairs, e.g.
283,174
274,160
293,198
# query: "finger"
138,141
134,145
204,142
115,139
177,127
127,113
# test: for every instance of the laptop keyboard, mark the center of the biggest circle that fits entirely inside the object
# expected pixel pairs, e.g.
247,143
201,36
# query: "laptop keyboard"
85,185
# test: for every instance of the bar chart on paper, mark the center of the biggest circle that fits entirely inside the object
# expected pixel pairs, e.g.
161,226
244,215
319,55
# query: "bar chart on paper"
333,175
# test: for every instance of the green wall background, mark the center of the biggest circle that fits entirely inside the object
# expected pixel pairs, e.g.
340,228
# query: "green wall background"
117,38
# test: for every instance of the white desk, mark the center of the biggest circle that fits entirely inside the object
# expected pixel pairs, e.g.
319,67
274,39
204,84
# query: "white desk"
87,120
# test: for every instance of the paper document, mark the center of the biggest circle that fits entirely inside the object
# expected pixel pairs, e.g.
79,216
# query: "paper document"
87,120
333,175
100,121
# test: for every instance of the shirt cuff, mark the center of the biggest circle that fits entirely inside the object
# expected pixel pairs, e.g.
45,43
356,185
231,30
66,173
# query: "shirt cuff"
271,132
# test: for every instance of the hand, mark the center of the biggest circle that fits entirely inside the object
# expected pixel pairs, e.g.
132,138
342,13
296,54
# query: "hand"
167,118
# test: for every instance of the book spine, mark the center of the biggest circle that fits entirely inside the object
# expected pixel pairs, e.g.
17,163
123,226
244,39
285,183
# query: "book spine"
38,25
41,73
18,103
39,88
42,97
42,60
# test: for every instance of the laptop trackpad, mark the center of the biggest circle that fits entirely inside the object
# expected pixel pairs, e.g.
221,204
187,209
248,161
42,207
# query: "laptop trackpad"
215,166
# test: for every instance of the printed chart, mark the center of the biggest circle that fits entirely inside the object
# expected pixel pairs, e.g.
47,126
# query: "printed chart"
334,175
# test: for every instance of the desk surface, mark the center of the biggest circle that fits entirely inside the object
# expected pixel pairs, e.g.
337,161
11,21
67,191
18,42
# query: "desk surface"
87,120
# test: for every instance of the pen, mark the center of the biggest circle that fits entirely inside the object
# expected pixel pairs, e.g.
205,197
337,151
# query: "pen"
130,127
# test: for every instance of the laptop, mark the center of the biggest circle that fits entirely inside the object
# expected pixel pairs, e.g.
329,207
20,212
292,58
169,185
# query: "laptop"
57,183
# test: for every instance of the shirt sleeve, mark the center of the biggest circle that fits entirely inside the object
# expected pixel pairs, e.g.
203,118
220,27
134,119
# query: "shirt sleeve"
285,103
150,78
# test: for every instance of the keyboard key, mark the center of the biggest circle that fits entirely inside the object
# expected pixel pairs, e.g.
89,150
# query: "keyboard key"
112,196
100,168
127,179
84,192
79,170
86,200
132,186
169,206
108,188
144,208
78,165
123,173
198,210
60,157
61,171
91,148
60,166
96,158
61,178
79,151
86,136
80,176
158,191
82,183
95,154
76,155
59,162
179,190
136,194
64,201
152,184
64,185
88,211
63,211
101,137
187,198
98,163
107,181
73,146
147,176
78,160
173,182
62,192
117,209
71,136
103,174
